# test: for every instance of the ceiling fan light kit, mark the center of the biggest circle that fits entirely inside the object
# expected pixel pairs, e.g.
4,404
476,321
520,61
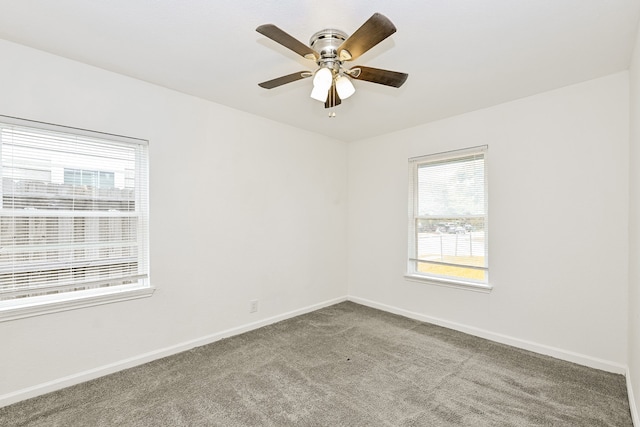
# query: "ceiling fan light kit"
330,49
319,93
344,87
323,79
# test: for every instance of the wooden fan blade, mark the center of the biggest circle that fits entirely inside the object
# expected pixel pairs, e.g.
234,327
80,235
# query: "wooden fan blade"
270,84
372,32
279,36
332,97
376,75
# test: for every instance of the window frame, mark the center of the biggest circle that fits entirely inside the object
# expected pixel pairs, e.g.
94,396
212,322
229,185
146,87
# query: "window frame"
412,273
12,309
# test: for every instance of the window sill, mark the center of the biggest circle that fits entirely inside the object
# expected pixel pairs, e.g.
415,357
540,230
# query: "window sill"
36,306
450,283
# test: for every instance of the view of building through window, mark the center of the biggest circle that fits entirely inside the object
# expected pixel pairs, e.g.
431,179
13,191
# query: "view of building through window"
98,179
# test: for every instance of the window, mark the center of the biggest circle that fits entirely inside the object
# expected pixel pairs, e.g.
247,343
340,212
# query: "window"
448,217
97,179
73,217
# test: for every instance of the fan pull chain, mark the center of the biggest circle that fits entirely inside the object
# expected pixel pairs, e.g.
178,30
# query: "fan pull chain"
332,101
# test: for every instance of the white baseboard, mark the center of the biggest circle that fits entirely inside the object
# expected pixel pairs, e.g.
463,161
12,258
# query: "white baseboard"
632,401
57,384
569,356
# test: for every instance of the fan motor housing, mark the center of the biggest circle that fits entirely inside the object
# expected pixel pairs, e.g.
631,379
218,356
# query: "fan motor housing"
326,43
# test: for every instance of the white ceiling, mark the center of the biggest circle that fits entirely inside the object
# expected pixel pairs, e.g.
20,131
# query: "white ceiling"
461,55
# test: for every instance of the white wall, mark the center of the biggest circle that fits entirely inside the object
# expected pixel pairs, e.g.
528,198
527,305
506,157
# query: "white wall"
558,206
241,208
634,231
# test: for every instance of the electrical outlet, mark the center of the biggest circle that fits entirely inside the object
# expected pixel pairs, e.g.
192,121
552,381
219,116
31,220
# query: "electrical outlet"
253,306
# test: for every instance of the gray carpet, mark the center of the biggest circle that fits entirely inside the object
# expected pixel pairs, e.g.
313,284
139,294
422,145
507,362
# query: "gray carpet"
345,365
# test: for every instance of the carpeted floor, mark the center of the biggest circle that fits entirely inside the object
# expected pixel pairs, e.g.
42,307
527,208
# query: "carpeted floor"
345,365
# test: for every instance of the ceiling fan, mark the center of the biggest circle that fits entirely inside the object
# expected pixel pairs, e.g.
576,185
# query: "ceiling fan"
330,49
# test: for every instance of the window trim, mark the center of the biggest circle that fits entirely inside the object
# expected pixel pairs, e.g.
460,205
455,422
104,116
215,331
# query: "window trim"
19,308
46,304
411,274
449,283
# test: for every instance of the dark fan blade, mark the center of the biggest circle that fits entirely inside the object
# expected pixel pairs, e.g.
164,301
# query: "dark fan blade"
285,79
332,98
372,32
376,75
279,36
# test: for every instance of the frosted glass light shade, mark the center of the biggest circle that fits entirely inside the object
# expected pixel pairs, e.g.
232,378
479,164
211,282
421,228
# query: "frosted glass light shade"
323,78
344,87
320,93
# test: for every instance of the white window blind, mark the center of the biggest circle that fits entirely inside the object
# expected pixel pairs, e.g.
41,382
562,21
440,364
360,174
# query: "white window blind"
448,216
74,214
